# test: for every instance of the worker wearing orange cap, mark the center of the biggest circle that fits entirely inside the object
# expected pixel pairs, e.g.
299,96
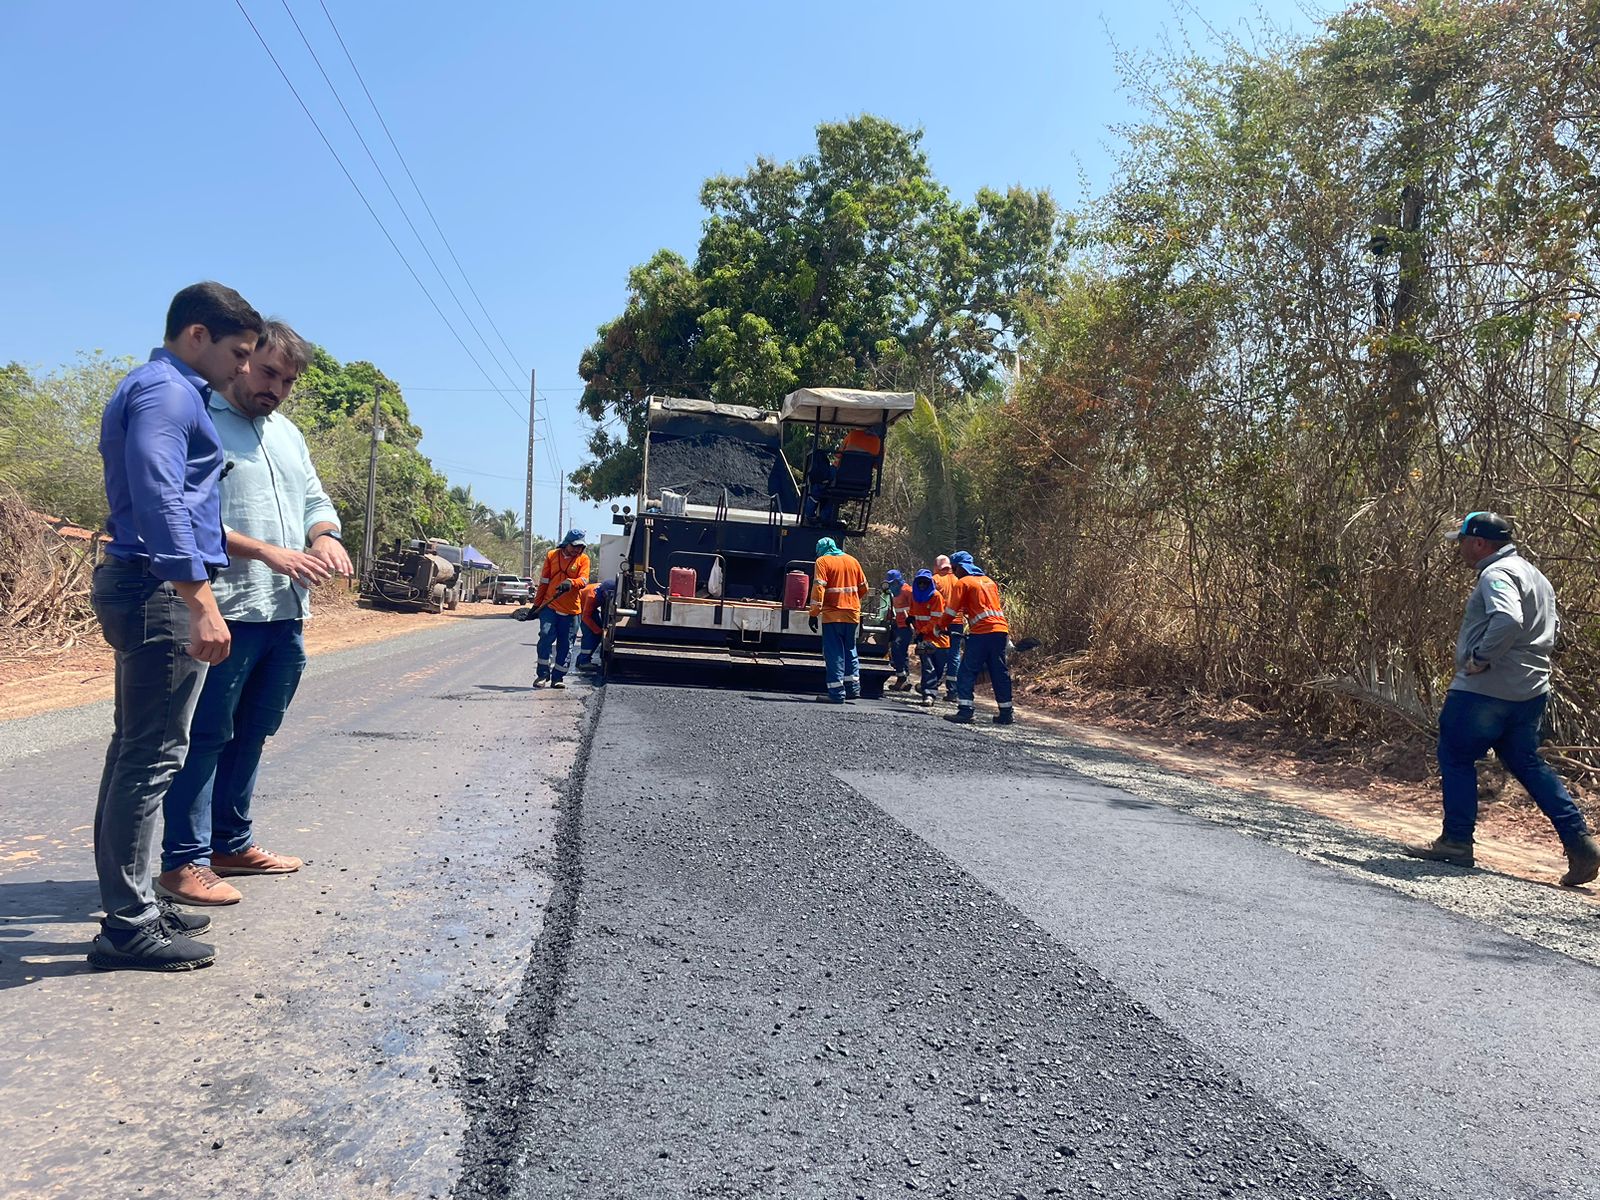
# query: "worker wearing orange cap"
944,578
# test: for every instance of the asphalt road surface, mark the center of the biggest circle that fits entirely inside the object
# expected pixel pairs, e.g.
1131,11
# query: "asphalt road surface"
745,945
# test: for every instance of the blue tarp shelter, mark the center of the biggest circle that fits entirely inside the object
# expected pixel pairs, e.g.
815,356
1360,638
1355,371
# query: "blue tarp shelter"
472,558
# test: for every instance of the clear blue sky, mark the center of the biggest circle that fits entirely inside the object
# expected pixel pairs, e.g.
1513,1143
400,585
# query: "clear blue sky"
150,145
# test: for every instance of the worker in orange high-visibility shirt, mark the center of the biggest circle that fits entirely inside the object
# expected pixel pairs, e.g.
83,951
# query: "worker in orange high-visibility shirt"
593,610
945,580
864,440
836,596
930,620
977,600
557,600
899,592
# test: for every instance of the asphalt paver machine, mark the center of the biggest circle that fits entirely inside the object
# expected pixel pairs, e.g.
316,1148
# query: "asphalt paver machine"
718,555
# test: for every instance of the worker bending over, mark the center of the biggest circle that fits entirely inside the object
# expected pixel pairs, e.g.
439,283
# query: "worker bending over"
930,621
836,601
593,610
898,593
977,601
557,601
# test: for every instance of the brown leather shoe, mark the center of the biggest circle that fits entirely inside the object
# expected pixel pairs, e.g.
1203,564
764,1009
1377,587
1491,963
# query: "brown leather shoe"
1441,849
195,884
255,861
1583,861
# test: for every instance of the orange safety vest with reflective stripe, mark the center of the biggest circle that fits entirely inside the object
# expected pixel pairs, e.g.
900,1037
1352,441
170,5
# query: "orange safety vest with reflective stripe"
902,606
859,439
836,594
931,620
559,569
977,598
945,580
586,608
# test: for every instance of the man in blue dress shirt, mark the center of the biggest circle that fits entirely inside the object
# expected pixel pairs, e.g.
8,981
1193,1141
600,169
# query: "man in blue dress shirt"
283,539
153,598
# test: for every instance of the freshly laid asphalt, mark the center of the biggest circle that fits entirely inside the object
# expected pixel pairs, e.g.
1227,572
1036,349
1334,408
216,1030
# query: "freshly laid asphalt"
660,941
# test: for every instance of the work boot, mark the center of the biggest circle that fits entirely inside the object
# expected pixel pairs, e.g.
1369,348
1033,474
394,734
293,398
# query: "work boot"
1442,849
961,716
148,947
827,699
194,884
1583,861
255,861
1003,717
540,681
177,922
558,683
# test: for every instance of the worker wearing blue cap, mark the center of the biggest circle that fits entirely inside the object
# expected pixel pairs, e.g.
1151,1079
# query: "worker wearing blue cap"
558,600
977,602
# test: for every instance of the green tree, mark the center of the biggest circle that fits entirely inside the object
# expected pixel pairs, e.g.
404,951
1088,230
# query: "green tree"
852,266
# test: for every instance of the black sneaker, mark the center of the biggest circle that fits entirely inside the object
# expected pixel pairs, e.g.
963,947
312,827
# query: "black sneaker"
179,923
149,947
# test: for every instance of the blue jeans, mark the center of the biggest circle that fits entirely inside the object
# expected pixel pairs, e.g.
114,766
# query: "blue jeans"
1470,726
900,650
953,667
207,808
934,664
157,686
555,630
984,652
840,659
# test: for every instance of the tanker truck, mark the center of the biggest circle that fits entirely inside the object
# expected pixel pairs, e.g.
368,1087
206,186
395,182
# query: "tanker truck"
413,576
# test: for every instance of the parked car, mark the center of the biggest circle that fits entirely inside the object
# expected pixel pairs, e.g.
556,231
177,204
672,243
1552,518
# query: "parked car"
504,589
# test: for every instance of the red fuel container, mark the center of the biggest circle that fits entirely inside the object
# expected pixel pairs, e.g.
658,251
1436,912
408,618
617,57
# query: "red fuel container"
796,589
682,582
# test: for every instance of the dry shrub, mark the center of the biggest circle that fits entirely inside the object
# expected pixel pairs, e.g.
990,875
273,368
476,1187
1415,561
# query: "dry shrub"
44,581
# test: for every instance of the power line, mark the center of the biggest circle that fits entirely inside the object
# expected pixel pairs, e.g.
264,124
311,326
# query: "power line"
373,159
426,206
372,211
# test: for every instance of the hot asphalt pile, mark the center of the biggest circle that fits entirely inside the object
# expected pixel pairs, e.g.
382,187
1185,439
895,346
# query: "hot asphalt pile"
766,987
701,466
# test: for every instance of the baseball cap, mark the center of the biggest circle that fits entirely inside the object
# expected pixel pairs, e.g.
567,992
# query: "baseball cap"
1491,527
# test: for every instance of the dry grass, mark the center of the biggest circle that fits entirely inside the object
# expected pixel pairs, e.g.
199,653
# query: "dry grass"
44,583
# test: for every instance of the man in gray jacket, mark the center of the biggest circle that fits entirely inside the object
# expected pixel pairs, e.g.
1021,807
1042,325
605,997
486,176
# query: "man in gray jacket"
1498,698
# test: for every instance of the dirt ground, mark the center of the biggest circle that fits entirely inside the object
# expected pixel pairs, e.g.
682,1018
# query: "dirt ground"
35,679
1389,788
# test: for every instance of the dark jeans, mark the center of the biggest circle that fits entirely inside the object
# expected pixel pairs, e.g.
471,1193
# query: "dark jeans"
157,684
1470,726
840,660
953,667
934,664
555,630
900,650
984,652
242,704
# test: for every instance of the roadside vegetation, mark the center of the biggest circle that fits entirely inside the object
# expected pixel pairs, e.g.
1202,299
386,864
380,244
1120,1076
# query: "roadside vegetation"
1208,428
50,464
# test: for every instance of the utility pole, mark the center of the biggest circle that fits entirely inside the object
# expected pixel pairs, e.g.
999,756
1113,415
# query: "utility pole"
561,506
527,503
367,542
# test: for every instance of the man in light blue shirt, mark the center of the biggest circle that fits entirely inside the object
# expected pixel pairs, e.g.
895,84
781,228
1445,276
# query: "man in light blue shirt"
283,538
